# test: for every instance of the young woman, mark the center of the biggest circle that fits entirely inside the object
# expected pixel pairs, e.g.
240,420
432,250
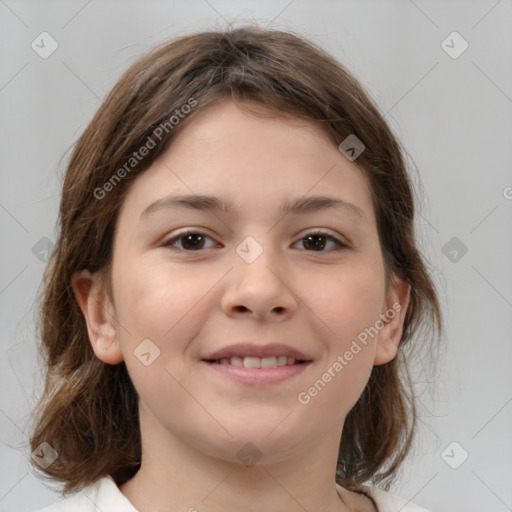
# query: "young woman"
233,290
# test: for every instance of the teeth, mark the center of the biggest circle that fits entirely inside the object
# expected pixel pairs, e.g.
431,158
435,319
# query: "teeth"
236,361
282,360
257,362
252,362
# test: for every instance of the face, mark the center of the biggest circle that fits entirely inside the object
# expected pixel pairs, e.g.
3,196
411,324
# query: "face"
189,279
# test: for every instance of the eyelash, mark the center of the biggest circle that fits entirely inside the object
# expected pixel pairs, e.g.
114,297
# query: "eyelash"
170,243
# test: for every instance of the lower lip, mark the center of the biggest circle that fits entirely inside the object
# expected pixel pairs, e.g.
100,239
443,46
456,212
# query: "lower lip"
259,376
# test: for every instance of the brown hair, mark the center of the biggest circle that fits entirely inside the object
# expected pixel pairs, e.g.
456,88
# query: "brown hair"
88,410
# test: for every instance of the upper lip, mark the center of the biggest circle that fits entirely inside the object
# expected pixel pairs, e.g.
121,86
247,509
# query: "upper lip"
252,350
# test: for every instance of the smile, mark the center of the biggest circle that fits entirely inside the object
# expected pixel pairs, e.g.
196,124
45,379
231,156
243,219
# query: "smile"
258,362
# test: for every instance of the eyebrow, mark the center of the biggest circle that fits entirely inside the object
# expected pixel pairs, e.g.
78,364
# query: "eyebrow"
211,203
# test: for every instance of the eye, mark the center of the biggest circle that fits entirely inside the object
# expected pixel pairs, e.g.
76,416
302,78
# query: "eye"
193,241
318,240
190,241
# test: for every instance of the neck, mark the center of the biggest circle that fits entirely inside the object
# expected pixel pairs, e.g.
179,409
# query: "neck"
176,475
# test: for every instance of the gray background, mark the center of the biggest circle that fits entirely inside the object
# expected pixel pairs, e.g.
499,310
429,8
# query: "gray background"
454,116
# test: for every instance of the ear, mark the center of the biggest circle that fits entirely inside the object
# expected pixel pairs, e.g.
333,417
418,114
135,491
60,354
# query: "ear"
393,316
99,314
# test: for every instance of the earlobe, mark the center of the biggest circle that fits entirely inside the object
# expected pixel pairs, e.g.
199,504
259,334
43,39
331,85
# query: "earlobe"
396,304
98,312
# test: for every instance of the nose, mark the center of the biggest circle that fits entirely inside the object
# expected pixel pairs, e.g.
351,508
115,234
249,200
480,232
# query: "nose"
260,289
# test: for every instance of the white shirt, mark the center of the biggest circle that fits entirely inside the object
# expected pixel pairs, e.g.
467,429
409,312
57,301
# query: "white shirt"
104,495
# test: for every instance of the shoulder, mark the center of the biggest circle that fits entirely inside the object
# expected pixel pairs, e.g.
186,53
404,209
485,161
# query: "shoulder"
389,502
101,495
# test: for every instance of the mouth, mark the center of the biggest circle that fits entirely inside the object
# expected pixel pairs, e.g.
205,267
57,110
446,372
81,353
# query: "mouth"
254,364
257,362
251,355
257,376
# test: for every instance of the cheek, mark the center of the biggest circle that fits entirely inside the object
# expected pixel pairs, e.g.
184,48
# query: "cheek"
349,307
165,308
159,312
169,305
155,301
351,301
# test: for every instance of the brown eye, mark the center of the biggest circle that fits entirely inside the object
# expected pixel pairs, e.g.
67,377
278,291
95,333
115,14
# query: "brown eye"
189,241
317,242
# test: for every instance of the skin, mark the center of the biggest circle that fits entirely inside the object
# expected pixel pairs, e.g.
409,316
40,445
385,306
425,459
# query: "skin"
193,419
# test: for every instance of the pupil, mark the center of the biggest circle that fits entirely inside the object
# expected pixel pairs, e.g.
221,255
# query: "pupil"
189,240
317,244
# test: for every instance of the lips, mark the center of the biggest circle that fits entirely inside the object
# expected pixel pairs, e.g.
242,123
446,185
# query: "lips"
247,350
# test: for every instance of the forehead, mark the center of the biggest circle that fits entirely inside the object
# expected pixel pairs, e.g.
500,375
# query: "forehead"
252,161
